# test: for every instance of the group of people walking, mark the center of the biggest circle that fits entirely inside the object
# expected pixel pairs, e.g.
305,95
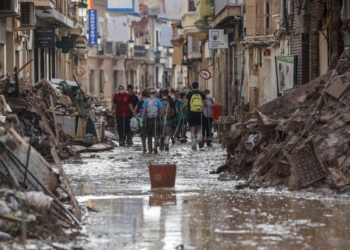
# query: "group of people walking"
163,117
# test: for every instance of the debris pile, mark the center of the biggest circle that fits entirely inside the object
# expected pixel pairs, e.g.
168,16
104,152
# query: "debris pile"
62,115
297,140
33,201
40,123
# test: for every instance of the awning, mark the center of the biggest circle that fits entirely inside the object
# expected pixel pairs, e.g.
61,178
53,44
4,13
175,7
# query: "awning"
54,17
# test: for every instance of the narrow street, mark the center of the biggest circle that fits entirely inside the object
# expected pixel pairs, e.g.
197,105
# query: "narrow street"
201,212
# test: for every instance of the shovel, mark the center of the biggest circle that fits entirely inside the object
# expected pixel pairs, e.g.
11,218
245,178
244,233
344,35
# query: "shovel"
23,184
162,139
183,139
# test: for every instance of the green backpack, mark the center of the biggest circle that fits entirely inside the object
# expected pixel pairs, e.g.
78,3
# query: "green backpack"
196,103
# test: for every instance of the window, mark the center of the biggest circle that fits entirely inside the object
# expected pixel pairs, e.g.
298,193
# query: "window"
191,5
115,80
263,18
259,14
193,44
132,77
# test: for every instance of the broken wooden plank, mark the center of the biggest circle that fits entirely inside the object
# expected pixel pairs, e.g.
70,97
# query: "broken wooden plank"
37,164
338,88
99,147
66,183
82,123
54,116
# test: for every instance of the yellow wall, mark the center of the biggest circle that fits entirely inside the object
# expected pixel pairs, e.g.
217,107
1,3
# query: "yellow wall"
177,56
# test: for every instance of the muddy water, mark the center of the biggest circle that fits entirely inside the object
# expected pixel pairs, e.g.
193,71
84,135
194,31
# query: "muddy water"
200,212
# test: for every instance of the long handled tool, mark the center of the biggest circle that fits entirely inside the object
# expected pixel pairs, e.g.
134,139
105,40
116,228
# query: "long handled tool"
164,124
23,184
79,88
178,124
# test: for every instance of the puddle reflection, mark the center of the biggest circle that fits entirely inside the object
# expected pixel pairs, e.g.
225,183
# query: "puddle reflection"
162,197
165,219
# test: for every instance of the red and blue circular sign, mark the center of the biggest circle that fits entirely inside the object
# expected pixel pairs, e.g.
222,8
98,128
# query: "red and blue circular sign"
205,74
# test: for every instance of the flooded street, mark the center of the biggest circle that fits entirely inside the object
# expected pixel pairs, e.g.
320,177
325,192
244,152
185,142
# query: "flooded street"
200,212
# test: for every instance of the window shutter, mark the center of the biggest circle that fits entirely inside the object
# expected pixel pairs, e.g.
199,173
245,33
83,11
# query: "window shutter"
251,17
276,5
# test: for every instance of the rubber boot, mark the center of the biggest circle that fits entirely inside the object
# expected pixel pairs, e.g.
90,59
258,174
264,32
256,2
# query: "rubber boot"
200,139
122,143
173,140
156,144
129,139
150,148
193,140
161,146
144,145
177,135
166,143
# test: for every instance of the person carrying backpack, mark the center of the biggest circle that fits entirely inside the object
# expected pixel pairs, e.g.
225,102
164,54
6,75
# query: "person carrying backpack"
166,129
196,101
207,117
142,122
153,113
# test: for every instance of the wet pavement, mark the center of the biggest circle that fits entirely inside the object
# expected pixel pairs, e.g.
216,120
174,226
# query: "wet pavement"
200,212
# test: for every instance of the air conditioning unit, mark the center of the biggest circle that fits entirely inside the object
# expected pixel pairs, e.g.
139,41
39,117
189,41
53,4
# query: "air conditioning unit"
27,17
9,8
109,48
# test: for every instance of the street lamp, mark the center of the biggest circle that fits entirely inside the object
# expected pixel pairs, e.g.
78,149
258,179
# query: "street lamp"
82,10
162,60
131,43
160,48
147,45
171,50
165,50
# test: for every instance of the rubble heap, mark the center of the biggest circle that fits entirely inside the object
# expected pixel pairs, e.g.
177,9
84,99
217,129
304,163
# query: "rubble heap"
55,110
41,123
297,140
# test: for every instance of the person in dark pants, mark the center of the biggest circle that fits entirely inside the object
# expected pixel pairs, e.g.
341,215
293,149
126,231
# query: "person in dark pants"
134,101
121,108
196,101
207,118
142,122
153,112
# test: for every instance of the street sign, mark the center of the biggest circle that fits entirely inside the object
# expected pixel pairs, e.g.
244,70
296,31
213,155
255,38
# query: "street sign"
205,74
217,39
44,37
92,27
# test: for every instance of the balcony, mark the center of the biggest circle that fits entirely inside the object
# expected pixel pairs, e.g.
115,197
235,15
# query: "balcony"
53,17
225,9
188,21
44,4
